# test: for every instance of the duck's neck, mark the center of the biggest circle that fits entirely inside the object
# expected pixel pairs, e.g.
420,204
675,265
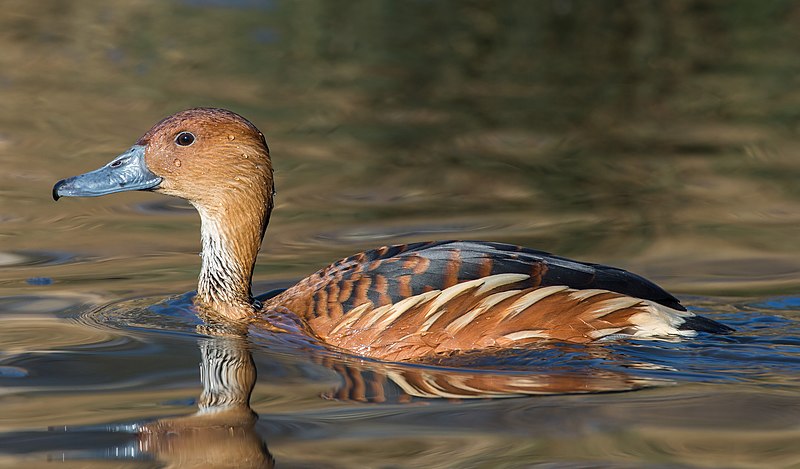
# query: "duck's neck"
231,236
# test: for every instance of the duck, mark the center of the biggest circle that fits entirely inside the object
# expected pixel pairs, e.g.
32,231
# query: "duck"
408,302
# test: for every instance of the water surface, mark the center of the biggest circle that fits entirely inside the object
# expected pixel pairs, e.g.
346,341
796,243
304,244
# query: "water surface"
661,137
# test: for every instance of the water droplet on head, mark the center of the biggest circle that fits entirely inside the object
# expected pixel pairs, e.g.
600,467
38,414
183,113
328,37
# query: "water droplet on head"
231,137
177,163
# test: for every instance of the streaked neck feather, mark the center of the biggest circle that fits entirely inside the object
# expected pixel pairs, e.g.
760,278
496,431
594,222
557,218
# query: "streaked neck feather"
228,257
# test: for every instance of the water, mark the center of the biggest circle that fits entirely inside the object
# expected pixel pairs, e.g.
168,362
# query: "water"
656,136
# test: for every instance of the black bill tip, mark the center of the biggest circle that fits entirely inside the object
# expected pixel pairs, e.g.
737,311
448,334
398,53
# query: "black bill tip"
58,185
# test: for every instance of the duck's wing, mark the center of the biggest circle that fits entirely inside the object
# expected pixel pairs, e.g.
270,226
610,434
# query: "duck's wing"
392,273
408,301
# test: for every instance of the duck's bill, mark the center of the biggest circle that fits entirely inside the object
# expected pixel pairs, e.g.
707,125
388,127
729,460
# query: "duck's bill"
127,172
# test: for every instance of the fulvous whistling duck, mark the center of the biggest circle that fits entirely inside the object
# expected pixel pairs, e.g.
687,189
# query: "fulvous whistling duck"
403,302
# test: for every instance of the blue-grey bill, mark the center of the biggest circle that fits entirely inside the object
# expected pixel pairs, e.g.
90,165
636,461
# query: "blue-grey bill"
127,172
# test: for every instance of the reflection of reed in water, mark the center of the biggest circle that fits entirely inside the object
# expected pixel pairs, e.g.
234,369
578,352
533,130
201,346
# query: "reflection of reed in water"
222,431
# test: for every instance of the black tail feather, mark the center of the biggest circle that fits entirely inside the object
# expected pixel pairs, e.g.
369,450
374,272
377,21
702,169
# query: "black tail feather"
703,324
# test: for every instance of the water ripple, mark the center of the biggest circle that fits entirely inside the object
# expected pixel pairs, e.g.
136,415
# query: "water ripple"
165,206
36,258
174,314
23,334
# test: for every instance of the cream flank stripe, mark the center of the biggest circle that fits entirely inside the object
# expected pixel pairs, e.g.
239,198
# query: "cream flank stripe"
610,305
393,312
527,334
588,293
485,305
529,299
351,317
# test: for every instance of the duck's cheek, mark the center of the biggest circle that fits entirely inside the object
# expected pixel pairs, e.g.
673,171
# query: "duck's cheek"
165,163
171,169
169,186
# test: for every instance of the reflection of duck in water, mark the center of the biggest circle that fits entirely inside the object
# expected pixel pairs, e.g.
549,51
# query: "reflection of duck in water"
222,432
403,302
400,383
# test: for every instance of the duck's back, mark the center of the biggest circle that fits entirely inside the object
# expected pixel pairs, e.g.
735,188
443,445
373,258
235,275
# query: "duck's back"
408,301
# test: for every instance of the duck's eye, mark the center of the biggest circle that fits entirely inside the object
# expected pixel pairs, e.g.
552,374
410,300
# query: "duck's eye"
184,139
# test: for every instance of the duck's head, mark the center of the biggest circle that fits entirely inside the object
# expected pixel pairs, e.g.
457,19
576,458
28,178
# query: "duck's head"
219,162
203,155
